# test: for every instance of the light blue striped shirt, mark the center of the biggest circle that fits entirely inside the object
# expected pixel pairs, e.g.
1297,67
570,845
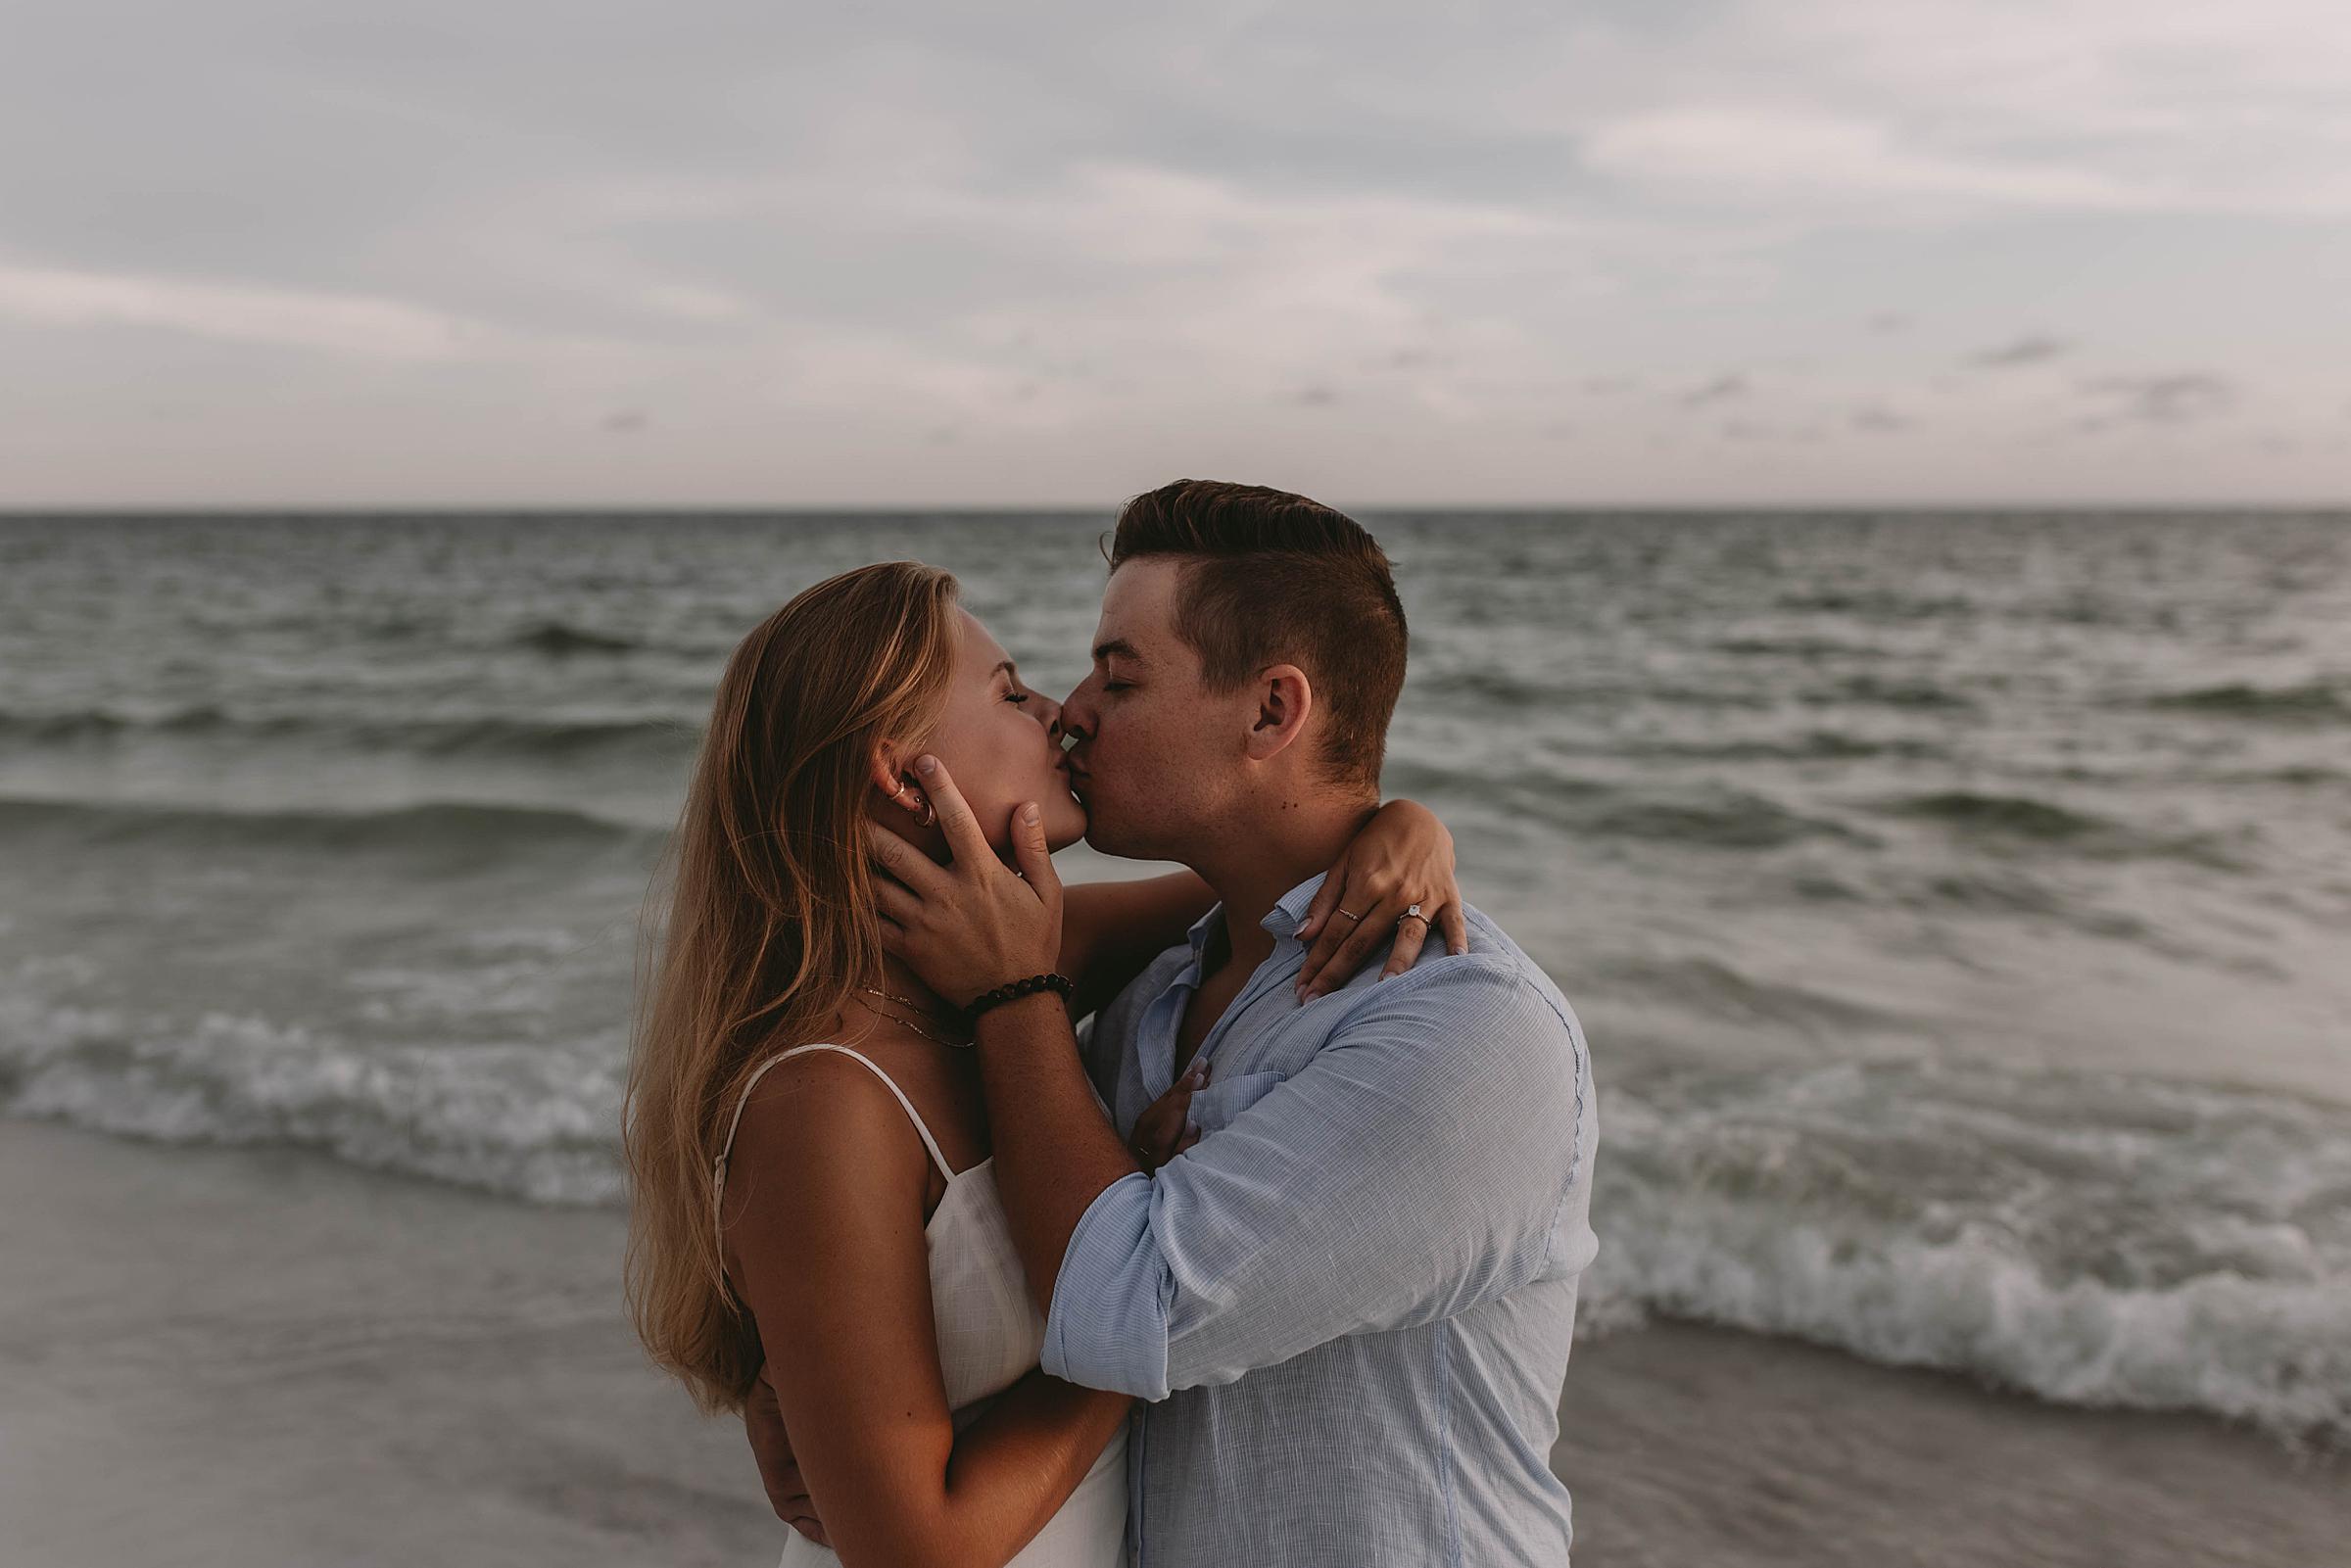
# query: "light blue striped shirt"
1351,1303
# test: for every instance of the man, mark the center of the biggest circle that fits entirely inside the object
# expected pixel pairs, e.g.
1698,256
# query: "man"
1350,1304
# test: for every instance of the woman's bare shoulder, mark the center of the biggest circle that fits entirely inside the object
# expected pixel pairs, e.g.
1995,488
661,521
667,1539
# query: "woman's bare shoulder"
819,1123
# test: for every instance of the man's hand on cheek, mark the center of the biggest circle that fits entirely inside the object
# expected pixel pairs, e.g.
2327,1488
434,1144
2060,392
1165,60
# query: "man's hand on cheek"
974,924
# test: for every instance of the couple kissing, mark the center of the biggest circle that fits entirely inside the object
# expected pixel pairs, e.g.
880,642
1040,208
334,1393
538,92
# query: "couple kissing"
1227,1218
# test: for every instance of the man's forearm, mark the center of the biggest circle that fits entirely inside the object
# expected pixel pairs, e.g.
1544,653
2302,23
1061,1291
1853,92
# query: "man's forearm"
1054,1152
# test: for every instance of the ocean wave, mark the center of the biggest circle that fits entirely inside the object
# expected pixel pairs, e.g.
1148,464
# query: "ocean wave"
2015,816
1795,647
447,826
2097,1241
1698,816
1878,605
2313,700
1493,685
1811,746
76,724
1717,990
1880,691
2028,819
561,637
2004,890
518,736
529,1121
1731,819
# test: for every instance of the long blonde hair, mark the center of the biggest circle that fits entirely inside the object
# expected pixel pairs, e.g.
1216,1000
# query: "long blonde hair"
770,923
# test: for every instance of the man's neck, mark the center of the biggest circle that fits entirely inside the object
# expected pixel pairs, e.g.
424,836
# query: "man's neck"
1277,849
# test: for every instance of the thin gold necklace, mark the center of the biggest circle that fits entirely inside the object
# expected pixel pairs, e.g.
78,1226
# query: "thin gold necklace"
960,1045
917,1003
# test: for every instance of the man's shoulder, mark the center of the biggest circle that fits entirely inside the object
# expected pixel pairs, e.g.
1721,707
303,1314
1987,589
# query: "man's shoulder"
1495,976
1510,1050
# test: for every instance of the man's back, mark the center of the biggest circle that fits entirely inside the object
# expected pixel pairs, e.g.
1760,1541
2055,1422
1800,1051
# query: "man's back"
1353,1301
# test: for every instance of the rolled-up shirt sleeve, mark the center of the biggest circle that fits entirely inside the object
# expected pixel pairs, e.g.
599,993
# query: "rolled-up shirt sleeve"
1417,1166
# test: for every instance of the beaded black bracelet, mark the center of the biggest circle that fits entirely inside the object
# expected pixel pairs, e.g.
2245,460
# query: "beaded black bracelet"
1030,986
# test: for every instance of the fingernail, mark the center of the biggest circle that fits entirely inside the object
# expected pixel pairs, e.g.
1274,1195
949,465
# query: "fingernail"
1192,1127
926,764
1028,814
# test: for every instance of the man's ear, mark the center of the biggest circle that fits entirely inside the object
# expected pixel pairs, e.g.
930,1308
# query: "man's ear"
1285,698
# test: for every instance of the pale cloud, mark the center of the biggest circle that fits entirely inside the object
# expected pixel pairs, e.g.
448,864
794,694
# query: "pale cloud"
2035,347
932,255
360,325
1721,389
1765,156
2173,399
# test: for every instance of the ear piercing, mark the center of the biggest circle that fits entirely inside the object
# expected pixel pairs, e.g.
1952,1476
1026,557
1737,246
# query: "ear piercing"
914,800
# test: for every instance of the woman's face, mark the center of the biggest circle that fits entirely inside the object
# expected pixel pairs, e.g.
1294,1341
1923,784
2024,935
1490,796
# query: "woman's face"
1001,743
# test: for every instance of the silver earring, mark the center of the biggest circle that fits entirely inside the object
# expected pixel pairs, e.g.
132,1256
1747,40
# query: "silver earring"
920,807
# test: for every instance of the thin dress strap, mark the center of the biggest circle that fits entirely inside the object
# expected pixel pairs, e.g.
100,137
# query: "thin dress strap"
718,1185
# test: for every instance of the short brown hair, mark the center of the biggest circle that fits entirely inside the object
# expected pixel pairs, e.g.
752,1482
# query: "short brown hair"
1272,578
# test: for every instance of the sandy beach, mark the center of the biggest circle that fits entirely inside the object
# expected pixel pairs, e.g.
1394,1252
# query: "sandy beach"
262,1357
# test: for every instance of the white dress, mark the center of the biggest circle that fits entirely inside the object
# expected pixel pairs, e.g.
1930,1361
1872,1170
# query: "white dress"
989,1334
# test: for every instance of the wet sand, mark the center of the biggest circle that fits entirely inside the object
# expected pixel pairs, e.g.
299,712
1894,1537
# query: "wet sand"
256,1357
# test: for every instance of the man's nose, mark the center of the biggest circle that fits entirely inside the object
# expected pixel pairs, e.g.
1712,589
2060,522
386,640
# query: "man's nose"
1075,718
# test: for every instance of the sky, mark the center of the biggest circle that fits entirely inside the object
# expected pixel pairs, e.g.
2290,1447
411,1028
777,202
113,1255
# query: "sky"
279,253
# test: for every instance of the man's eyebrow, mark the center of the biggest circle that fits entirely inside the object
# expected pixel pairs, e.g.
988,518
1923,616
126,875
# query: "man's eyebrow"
1120,647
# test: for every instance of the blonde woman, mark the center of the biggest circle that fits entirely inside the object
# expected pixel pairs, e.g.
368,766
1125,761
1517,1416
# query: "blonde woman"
815,1238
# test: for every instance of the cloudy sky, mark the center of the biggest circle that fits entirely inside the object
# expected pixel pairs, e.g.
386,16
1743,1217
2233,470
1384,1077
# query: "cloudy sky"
292,253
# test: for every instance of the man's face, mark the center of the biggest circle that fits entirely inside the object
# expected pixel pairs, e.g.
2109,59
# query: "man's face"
1157,754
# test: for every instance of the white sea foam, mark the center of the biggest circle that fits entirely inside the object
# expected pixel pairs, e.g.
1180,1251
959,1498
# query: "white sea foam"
2100,1240
531,1121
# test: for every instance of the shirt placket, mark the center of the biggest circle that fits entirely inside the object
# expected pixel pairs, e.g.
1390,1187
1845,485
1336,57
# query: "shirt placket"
1161,1043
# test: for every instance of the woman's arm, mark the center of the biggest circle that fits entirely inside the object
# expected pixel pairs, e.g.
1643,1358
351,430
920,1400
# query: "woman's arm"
1402,860
1110,931
828,1249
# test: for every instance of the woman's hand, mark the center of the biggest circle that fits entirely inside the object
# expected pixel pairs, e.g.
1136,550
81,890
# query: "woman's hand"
973,925
1403,857
779,1471
1164,1129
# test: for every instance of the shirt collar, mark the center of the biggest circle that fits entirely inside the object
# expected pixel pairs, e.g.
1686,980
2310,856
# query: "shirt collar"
1282,920
1289,912
1205,925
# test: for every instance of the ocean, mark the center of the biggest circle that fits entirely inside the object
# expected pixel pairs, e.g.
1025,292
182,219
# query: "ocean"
1959,905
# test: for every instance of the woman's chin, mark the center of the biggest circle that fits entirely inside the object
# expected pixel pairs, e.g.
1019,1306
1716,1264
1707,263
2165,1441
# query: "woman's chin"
1065,825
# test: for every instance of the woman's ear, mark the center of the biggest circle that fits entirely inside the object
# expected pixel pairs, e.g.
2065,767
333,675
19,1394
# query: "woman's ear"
883,769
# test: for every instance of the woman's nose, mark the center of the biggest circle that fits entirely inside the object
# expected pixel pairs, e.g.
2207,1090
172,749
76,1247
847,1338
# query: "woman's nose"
1049,713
